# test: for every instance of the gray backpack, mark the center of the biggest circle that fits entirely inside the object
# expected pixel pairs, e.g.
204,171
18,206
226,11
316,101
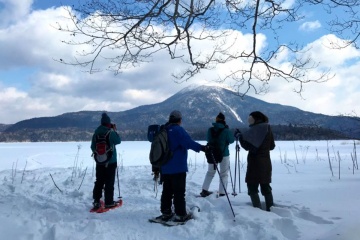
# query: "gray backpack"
160,152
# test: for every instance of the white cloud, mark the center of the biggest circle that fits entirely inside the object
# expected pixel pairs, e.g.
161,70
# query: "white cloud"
310,26
337,96
321,51
12,10
32,43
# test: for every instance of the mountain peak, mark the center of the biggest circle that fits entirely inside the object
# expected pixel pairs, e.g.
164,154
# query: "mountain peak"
199,104
202,88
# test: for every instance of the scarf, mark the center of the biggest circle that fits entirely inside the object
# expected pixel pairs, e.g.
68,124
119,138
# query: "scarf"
256,134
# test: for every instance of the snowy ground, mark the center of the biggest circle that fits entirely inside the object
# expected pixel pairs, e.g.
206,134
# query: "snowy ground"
311,202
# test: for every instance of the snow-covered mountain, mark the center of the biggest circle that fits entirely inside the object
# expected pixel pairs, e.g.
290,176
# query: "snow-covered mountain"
199,106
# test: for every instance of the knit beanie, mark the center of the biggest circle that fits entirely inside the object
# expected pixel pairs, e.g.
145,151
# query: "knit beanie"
220,118
175,116
105,119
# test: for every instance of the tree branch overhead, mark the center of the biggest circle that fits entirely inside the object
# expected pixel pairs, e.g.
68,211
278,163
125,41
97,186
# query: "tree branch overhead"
204,35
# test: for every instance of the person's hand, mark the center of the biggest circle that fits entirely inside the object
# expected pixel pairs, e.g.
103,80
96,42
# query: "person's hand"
113,125
203,148
206,148
156,174
237,134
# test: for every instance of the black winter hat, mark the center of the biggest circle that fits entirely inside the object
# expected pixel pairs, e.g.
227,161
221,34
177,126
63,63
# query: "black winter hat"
259,117
175,116
220,118
105,119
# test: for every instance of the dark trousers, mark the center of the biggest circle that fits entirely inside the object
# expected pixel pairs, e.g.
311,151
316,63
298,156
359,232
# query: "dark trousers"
105,176
265,188
266,191
174,186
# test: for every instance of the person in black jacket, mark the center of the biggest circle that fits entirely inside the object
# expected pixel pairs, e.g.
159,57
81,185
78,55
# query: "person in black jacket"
258,140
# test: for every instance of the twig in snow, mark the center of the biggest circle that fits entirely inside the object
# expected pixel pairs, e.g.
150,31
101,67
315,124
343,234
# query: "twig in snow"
339,162
55,183
332,173
22,177
82,178
297,160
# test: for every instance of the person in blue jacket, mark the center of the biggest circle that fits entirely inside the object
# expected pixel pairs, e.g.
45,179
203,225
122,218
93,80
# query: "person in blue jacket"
174,171
105,173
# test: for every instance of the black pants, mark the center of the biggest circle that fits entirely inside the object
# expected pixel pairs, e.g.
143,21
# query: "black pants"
174,186
105,175
265,188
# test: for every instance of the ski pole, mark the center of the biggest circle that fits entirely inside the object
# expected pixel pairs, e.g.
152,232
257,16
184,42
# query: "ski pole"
217,169
236,157
117,174
155,185
232,184
238,163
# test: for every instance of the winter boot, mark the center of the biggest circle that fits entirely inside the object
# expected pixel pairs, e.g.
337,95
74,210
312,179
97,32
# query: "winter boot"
111,205
96,205
255,200
165,217
182,219
269,201
205,193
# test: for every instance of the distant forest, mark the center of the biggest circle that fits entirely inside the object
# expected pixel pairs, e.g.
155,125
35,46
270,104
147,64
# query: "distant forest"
281,132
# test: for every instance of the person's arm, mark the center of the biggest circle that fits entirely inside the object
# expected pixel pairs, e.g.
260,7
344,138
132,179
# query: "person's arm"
93,143
188,143
114,137
230,137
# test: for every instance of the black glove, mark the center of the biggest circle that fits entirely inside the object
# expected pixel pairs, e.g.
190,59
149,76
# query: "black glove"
237,134
203,148
156,175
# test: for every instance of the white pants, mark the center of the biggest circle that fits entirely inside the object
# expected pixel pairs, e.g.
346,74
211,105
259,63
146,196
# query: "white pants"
224,174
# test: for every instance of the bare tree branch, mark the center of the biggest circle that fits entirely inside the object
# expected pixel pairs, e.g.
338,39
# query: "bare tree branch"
124,34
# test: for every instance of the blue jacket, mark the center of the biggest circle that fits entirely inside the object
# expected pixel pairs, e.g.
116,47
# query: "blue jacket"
180,142
114,139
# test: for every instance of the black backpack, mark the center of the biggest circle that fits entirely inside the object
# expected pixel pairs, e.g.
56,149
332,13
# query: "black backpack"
152,131
103,150
215,153
160,152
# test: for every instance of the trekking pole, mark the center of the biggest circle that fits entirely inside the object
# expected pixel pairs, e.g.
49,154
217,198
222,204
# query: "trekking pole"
117,174
155,185
236,157
222,183
232,184
238,163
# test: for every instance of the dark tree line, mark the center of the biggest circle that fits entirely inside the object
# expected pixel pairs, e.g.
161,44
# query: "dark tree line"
74,134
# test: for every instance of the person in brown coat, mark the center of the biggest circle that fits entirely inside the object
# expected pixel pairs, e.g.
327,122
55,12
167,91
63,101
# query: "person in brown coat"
258,140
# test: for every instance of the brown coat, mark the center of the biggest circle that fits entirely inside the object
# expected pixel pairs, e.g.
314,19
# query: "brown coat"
259,168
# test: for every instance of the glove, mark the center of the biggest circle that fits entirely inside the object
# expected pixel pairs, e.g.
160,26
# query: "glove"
237,134
203,148
156,174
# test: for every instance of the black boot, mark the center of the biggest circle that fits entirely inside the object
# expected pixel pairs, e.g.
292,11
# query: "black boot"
255,200
269,201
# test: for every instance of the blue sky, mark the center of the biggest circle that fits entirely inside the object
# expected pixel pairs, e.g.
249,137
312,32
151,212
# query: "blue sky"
32,84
